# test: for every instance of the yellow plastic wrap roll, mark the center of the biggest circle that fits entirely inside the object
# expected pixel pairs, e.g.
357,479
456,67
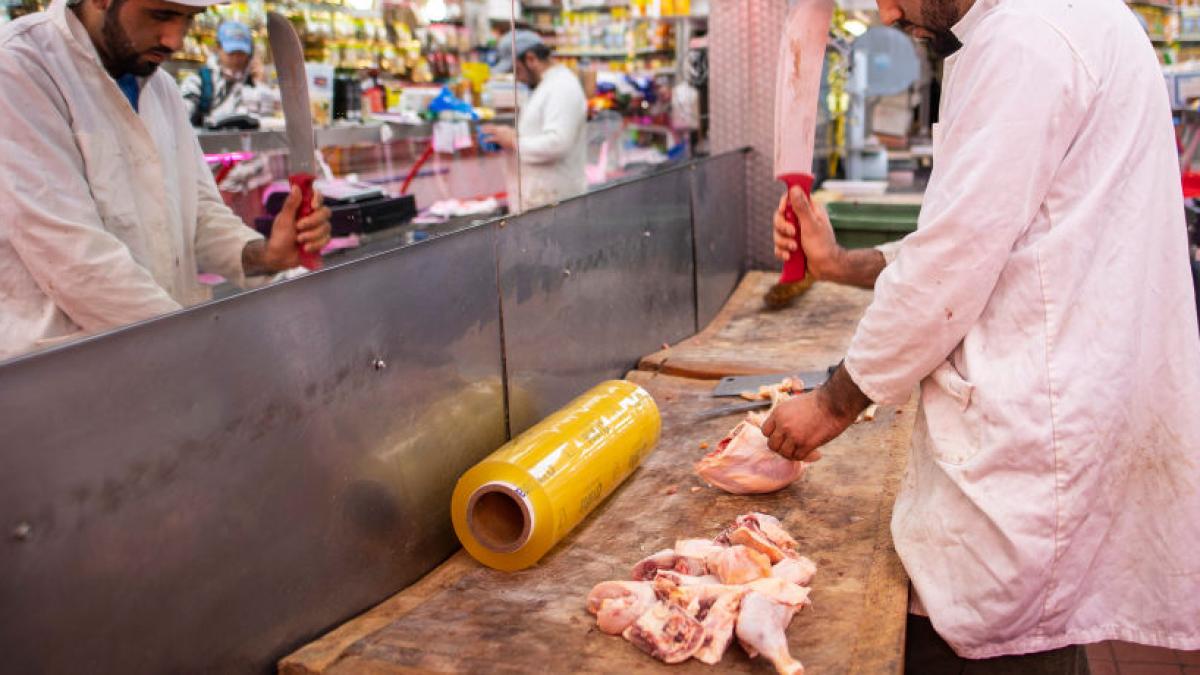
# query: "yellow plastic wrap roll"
514,506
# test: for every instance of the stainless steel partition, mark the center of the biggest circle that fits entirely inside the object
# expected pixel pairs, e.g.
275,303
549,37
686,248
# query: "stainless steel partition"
200,492
591,285
206,491
719,221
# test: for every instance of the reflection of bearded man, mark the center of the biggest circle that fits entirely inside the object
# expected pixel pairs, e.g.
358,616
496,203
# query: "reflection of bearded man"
117,50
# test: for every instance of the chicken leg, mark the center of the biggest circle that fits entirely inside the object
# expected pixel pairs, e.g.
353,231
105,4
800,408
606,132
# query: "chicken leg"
762,629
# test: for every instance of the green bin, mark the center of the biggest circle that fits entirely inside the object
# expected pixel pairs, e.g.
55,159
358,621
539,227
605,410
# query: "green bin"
862,225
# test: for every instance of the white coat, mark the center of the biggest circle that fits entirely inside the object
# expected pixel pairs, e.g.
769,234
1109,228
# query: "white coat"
1044,307
552,143
106,214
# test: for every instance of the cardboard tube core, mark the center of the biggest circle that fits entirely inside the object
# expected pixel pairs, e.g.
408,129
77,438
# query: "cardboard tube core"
499,517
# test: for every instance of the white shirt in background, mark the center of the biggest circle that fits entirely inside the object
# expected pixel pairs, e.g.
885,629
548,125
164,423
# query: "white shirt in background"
552,141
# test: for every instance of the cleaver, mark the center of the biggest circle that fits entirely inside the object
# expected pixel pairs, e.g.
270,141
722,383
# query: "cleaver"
734,385
797,93
297,116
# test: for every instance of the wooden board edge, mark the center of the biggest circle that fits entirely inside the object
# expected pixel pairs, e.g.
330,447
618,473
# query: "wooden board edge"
318,657
880,644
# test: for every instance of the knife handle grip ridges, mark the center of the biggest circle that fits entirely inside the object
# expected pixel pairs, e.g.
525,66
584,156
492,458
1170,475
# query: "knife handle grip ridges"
796,267
304,181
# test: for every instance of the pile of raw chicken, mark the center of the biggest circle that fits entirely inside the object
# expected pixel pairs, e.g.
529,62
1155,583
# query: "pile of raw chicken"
691,600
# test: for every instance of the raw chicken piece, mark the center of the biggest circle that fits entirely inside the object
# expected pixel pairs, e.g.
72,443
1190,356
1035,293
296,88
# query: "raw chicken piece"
781,591
739,565
617,604
715,606
667,633
761,628
718,616
680,579
762,533
647,568
742,464
799,570
772,391
867,415
692,554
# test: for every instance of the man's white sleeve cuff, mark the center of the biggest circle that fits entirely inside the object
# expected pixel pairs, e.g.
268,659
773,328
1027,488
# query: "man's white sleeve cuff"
889,250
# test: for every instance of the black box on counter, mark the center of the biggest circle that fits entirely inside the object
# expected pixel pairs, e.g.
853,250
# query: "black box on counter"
351,216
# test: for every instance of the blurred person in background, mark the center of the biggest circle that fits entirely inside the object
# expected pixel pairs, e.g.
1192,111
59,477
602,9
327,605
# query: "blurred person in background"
549,141
229,84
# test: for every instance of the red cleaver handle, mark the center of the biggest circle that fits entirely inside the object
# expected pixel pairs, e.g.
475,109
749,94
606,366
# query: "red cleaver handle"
796,267
304,181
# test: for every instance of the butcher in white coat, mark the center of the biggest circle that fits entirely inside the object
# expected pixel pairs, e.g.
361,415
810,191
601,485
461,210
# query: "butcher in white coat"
1044,311
107,208
550,141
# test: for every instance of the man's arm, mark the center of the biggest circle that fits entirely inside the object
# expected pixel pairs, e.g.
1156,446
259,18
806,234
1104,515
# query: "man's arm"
225,246
827,261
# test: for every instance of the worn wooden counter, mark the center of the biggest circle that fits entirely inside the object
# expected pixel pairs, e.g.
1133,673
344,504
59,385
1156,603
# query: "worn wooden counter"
745,339
463,617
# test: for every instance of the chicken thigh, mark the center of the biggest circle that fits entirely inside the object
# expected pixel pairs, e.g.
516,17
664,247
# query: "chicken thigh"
761,628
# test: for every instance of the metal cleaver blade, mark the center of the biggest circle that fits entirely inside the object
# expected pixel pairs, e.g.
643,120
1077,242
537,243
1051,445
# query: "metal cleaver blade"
301,137
797,95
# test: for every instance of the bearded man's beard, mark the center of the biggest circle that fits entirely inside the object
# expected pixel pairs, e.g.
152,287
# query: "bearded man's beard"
938,17
121,57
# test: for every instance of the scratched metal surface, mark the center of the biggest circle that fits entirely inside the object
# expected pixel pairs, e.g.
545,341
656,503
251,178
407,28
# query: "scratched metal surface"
591,285
205,491
718,217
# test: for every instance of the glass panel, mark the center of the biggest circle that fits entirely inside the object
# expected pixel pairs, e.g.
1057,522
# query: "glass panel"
621,92
398,90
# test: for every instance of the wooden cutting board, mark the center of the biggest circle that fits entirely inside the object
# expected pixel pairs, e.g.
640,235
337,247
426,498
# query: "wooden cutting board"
746,338
466,618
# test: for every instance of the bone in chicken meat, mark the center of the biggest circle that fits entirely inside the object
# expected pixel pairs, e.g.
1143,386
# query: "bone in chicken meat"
667,633
761,628
692,554
762,533
743,464
617,604
740,565
680,579
715,606
647,568
718,616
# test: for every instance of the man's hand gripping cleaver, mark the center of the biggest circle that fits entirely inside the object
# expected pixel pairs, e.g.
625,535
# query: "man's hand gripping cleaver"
797,94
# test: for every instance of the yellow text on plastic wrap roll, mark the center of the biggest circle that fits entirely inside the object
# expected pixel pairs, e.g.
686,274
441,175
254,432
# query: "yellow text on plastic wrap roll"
514,506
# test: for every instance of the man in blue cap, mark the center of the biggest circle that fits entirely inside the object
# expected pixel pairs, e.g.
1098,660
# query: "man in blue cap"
549,138
228,84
